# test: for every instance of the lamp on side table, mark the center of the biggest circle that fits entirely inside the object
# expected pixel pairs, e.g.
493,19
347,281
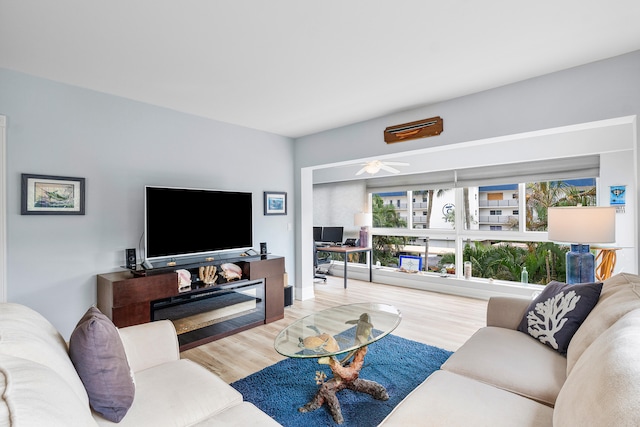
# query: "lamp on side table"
364,221
581,226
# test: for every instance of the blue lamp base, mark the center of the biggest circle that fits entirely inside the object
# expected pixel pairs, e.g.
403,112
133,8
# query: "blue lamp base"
580,265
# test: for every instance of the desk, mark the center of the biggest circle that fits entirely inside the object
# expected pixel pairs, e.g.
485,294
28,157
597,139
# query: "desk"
348,250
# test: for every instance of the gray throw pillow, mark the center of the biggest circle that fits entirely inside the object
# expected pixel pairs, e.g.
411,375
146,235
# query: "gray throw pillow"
97,353
557,313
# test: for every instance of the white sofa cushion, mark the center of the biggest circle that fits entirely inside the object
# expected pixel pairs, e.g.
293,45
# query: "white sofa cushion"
35,395
189,394
620,295
245,414
446,399
25,333
604,386
512,361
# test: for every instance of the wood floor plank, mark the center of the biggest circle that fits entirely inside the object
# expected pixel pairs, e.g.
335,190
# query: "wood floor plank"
442,320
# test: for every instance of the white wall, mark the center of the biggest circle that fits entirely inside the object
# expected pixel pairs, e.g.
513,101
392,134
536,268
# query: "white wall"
617,169
601,90
119,146
334,205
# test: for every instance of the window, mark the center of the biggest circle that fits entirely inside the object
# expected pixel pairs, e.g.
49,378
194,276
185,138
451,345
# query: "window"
542,195
544,260
487,215
430,209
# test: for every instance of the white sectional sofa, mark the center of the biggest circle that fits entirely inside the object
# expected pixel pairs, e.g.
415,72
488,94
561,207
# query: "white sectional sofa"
40,386
504,377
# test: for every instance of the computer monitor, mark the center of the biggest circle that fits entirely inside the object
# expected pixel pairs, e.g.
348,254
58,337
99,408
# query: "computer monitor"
317,234
332,234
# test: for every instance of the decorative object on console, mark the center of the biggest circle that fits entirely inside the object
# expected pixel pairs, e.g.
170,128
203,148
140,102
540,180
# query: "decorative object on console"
231,271
557,313
275,203
580,226
364,221
97,352
52,195
263,248
414,130
208,274
184,280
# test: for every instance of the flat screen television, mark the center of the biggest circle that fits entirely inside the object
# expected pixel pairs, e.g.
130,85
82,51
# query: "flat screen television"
187,221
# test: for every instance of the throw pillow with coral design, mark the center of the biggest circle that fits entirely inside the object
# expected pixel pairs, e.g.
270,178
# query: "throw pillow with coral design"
556,314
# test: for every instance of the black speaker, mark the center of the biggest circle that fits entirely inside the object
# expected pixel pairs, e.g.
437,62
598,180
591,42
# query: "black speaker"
130,258
263,248
288,296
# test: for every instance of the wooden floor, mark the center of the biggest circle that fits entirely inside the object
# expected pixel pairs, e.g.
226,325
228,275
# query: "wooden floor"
441,320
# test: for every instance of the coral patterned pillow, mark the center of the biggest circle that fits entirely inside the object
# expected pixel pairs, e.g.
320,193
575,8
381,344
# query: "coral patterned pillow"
557,313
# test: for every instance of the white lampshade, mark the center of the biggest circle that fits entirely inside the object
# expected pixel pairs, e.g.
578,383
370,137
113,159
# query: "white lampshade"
362,219
582,224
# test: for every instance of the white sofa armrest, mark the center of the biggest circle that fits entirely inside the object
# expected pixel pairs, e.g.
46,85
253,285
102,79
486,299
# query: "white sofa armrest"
506,312
150,344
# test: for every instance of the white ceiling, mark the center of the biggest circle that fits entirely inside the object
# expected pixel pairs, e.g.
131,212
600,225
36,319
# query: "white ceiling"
293,67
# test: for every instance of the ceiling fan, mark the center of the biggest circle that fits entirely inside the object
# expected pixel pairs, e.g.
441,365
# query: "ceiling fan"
374,166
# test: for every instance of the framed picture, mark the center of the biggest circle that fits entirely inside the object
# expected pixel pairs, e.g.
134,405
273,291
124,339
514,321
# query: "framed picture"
52,195
275,203
410,263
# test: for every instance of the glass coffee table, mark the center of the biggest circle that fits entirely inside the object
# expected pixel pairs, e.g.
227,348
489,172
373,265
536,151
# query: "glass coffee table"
339,337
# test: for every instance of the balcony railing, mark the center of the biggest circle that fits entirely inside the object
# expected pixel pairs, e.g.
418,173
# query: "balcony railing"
498,203
497,219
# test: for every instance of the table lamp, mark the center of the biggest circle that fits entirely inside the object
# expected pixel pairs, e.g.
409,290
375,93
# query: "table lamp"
364,221
580,226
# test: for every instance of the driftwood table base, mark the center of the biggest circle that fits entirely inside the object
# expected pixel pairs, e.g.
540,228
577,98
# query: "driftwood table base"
344,377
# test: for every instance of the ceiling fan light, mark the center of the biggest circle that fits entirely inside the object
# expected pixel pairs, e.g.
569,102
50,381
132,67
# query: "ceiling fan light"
372,168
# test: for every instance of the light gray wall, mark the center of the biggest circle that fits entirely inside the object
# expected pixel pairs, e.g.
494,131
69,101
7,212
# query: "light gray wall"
119,146
601,90
335,205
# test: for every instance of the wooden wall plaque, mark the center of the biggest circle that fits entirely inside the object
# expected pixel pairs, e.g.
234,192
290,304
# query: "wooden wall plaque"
414,130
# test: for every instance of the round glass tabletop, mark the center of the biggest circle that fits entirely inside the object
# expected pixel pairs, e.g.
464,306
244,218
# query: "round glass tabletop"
337,330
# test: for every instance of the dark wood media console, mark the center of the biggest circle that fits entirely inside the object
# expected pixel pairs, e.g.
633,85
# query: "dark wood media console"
256,299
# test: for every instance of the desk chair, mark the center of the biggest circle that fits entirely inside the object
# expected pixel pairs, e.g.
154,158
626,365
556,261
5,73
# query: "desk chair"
317,274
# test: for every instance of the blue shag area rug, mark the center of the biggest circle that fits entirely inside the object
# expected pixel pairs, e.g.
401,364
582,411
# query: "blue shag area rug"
400,365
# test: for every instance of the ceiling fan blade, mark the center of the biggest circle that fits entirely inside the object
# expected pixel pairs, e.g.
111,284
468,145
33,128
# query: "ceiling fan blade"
389,169
361,171
397,163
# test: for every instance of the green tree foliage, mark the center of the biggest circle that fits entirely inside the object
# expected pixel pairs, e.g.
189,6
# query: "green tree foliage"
386,248
545,261
543,195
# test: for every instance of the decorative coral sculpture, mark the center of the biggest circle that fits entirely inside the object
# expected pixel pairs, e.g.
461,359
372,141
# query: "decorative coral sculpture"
208,274
320,377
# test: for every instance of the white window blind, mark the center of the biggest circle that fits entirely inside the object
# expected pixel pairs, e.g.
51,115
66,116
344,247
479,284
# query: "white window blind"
512,173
